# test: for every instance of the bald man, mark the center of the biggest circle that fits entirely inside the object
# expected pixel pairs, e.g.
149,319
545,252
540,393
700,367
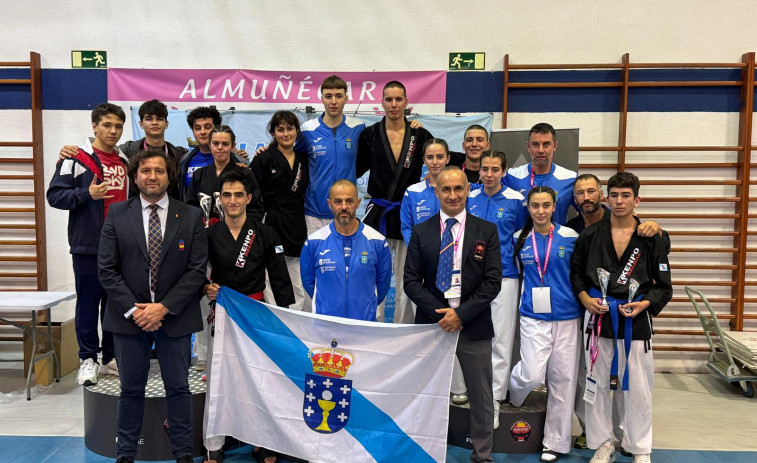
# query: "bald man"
346,266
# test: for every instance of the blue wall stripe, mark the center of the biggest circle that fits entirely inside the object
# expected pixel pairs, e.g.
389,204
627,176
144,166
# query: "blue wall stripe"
376,431
83,89
62,89
482,92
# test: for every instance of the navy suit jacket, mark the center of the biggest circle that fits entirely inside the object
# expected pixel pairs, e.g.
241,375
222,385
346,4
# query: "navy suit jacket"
124,267
481,275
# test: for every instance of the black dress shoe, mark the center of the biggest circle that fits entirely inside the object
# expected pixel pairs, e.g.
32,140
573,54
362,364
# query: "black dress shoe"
185,459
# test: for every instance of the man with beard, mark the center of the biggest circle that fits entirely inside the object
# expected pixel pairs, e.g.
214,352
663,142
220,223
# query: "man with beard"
346,266
152,259
587,193
542,171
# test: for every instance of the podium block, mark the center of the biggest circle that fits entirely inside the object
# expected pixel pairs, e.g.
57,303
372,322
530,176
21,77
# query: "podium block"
521,429
101,404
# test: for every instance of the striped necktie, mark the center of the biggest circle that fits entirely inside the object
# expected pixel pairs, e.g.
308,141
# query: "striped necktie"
154,242
446,257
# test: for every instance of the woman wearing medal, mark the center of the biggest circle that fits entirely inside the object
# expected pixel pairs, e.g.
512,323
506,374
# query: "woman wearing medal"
548,324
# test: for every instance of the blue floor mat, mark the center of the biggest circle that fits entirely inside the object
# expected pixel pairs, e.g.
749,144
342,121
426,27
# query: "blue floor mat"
33,449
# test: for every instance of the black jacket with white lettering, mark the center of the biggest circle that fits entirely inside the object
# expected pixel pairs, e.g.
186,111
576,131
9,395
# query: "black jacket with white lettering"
241,263
645,260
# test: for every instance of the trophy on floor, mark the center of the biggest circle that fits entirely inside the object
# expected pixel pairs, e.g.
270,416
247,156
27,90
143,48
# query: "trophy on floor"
633,286
604,280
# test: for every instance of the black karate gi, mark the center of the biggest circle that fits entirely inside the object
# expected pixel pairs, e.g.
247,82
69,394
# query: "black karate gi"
241,263
645,260
283,189
389,178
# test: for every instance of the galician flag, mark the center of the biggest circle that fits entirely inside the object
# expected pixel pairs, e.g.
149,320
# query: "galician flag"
329,389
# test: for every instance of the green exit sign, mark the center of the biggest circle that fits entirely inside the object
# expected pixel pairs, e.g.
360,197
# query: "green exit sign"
459,61
89,59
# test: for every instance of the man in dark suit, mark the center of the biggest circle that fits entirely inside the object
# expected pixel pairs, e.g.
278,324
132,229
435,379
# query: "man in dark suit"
152,261
453,272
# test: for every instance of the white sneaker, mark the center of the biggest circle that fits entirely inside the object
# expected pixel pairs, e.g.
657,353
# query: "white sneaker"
496,413
548,455
110,368
604,454
642,458
87,375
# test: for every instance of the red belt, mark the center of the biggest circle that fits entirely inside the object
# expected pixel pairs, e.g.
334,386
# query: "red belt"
257,296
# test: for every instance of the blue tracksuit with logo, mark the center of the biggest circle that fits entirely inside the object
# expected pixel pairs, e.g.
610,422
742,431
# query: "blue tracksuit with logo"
418,204
563,301
347,276
559,179
332,155
505,210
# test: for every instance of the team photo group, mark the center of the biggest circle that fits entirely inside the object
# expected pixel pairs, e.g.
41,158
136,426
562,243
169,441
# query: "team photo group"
488,251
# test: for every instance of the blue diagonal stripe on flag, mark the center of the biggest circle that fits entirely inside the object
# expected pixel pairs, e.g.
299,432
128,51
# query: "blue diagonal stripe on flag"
368,424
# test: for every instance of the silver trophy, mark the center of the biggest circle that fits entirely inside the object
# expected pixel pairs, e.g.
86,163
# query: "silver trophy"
604,280
633,286
206,204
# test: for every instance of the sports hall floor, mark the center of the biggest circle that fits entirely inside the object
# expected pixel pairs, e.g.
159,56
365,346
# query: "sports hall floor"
697,418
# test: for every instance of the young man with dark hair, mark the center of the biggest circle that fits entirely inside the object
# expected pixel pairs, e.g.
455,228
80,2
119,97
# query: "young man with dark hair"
587,194
87,185
153,119
393,151
240,250
331,143
475,143
636,274
201,120
542,171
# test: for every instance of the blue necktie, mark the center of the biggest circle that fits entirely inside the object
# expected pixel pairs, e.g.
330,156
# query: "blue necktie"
446,257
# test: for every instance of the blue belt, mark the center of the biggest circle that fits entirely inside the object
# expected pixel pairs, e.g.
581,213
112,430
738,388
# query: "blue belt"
627,335
388,206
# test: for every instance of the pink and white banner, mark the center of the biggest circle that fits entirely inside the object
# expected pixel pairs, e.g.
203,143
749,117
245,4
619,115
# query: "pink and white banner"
247,86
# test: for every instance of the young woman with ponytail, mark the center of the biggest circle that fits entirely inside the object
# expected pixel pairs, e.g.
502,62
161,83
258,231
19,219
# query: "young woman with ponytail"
549,320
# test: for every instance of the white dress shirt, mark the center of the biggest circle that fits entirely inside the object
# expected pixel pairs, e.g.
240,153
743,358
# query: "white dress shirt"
457,261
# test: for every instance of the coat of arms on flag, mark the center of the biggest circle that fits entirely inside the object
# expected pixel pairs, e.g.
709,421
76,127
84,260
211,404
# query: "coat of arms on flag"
326,406
276,381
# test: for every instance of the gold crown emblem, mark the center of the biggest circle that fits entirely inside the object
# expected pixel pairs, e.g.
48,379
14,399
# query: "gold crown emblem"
331,361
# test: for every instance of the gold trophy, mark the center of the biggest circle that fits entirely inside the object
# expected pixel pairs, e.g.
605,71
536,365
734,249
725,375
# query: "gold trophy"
326,405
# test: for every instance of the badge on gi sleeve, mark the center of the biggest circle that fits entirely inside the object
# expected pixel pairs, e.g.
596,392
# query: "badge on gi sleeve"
663,267
348,143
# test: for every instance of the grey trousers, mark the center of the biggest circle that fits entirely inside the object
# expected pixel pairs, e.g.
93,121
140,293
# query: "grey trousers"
476,362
